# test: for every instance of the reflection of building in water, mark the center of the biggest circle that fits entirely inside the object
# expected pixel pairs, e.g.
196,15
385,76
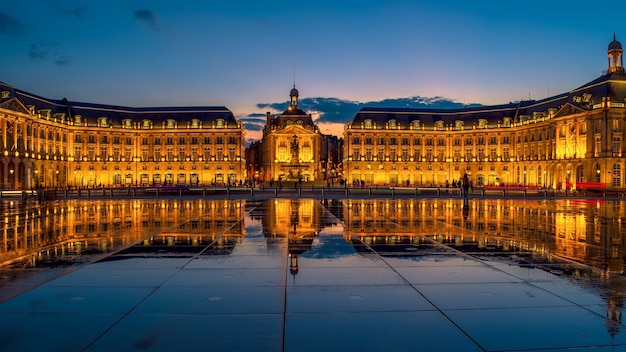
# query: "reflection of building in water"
298,220
74,228
586,232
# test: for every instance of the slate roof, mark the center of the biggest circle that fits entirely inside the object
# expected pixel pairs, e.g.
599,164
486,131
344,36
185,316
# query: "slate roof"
611,85
90,112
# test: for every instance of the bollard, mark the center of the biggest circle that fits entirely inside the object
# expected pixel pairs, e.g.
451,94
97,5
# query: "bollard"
545,193
483,191
89,193
369,191
438,192
111,193
416,191
393,192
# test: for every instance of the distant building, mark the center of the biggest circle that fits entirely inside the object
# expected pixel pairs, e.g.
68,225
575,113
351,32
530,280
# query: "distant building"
293,148
572,140
58,143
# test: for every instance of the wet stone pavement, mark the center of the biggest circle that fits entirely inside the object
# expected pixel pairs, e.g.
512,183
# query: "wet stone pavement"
298,275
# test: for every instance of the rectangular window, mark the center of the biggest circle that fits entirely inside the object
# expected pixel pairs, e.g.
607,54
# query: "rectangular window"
157,154
617,147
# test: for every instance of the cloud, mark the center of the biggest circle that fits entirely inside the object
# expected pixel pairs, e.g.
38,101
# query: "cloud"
44,51
333,110
78,12
147,17
9,25
253,122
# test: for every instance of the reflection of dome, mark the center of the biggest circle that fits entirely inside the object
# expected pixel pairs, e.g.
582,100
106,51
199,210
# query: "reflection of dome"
615,45
294,91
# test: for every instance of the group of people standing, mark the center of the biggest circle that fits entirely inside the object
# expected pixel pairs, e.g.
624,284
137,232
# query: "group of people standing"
464,184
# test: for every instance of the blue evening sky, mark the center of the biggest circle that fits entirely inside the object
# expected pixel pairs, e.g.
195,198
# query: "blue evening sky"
244,54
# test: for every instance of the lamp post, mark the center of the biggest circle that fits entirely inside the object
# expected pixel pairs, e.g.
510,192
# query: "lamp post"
11,179
57,177
37,178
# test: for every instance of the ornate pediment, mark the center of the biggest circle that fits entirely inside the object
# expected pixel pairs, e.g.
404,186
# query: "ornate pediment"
294,129
568,109
15,105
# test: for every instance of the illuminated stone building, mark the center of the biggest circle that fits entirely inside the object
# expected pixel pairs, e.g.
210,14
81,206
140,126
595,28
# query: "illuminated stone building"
572,140
57,143
292,148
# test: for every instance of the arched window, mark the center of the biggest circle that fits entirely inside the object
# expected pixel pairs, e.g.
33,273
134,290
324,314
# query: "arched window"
415,124
439,125
506,122
597,176
392,124
127,123
458,125
482,123
195,123
367,124
78,120
170,124
145,124
219,123
617,175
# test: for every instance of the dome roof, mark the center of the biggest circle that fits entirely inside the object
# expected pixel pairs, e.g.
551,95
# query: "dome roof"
294,92
615,45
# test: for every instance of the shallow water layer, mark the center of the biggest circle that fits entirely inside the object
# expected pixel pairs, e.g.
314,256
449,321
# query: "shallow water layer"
383,274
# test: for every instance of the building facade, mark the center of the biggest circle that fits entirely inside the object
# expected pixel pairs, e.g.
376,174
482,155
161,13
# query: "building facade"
572,140
57,143
292,148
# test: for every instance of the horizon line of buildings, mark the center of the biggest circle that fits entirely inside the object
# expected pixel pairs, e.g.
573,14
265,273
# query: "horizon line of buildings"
571,140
